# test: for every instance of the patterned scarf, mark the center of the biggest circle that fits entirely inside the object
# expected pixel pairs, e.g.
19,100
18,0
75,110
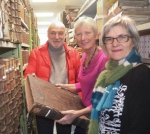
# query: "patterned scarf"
107,84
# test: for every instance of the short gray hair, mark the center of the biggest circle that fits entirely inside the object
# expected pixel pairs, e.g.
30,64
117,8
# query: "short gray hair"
86,20
56,23
125,22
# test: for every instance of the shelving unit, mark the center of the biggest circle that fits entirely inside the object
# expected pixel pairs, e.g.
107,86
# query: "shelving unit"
12,48
9,49
88,9
99,9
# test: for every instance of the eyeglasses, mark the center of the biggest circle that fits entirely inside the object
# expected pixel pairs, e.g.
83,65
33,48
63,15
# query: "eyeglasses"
121,39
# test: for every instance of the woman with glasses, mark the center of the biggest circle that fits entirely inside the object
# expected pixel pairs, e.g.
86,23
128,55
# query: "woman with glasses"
121,96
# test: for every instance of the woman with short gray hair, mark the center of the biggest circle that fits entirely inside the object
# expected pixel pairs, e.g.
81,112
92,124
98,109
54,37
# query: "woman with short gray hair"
92,63
121,96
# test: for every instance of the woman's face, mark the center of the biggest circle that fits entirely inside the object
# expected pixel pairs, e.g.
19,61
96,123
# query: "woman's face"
85,36
116,50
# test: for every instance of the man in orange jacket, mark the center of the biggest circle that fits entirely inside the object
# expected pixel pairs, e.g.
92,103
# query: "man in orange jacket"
55,62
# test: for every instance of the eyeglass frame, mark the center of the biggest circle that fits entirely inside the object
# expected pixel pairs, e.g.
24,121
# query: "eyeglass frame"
117,39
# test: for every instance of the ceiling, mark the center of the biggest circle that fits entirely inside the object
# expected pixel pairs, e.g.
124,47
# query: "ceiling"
56,8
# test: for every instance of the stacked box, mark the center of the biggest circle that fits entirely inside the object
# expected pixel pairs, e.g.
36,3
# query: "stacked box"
71,12
21,9
26,17
25,55
114,10
134,3
10,14
131,8
25,37
5,20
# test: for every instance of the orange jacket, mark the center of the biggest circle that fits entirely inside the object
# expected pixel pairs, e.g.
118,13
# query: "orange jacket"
40,63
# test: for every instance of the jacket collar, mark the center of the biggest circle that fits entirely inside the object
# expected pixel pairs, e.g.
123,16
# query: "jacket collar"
45,53
45,47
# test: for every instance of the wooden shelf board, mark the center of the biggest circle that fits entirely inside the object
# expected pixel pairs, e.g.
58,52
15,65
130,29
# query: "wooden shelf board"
143,27
5,44
24,45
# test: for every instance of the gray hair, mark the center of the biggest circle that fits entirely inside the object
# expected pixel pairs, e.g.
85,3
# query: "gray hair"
86,20
56,23
125,22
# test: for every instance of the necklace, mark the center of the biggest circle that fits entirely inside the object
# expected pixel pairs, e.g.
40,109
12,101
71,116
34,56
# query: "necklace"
84,67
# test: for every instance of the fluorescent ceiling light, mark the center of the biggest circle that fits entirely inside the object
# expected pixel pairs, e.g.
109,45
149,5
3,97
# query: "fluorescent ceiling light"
50,14
44,23
44,0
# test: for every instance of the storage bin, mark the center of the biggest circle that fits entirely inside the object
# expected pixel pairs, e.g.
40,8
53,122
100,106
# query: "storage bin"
2,125
17,63
5,97
16,6
12,84
7,86
1,100
7,119
9,96
2,113
8,75
14,102
1,86
15,112
13,92
6,108
10,105
2,71
9,128
20,108
12,4
6,62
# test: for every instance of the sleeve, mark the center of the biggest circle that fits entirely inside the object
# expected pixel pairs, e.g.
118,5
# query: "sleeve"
138,105
77,64
78,87
31,67
90,106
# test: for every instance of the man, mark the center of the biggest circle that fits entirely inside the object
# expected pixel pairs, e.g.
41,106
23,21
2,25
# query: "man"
55,62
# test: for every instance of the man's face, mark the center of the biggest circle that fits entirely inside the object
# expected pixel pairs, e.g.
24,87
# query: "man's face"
56,35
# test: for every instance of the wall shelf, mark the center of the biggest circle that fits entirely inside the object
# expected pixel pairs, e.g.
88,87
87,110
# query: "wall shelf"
24,45
5,44
88,9
144,29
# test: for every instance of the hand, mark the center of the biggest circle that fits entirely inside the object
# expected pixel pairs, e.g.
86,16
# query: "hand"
70,87
63,86
68,118
33,74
